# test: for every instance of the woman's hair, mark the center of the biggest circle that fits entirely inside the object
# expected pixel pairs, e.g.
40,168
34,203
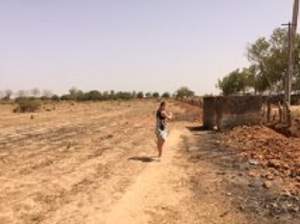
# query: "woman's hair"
162,104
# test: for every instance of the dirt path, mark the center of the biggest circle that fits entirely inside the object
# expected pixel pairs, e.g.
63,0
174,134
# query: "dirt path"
149,192
162,192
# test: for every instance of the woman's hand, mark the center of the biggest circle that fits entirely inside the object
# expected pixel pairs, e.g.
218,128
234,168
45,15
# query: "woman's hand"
167,115
170,116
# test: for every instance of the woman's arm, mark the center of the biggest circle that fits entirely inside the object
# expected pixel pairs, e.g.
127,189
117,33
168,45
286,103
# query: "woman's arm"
167,115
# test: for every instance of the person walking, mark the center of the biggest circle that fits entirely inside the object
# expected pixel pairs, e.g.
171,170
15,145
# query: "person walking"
161,130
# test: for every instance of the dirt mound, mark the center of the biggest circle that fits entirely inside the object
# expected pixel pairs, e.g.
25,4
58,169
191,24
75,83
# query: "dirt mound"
292,131
295,129
277,154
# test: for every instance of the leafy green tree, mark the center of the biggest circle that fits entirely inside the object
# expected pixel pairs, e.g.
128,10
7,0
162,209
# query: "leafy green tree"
140,95
75,93
123,95
166,95
184,92
268,59
93,95
155,95
237,82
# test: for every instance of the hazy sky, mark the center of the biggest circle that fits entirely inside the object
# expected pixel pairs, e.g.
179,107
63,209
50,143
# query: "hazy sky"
129,44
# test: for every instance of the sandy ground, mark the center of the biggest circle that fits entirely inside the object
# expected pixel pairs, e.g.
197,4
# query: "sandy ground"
93,163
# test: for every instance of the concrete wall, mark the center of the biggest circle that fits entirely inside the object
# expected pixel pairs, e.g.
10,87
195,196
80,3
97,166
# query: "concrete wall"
226,112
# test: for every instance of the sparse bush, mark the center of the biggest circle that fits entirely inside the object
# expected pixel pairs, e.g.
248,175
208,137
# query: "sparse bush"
66,97
123,95
93,95
27,105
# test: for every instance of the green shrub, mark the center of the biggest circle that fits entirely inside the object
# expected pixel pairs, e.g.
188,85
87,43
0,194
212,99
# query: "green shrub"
27,105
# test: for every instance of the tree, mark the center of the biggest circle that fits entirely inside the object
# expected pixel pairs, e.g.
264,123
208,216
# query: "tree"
268,59
133,94
124,95
7,94
93,95
21,93
47,93
75,93
184,92
55,98
166,95
148,95
237,82
140,95
112,95
35,92
155,95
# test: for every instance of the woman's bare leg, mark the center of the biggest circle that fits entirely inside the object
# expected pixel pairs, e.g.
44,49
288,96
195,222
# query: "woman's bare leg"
160,146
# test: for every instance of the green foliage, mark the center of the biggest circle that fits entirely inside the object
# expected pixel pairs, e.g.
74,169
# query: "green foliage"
27,104
184,92
268,59
155,95
166,95
123,96
93,95
140,95
76,94
55,98
237,82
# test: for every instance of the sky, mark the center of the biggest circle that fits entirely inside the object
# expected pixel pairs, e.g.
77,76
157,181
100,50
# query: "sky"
149,45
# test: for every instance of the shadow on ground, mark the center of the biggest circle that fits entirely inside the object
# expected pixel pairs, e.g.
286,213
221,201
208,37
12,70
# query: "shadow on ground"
144,159
196,128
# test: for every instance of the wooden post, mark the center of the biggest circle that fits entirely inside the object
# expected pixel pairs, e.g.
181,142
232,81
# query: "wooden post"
288,114
268,111
280,112
292,35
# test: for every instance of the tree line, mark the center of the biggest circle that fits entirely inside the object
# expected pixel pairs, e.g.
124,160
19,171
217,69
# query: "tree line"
76,94
268,58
